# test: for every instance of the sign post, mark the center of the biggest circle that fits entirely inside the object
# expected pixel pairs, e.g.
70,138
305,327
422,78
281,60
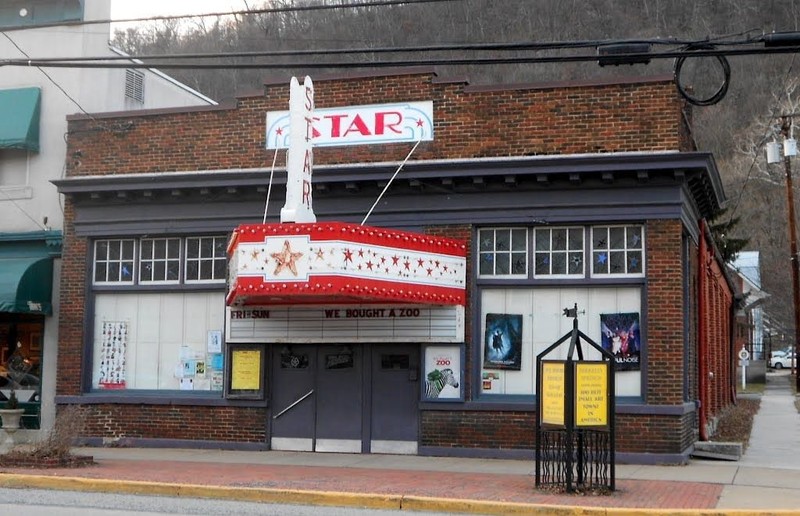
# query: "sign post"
575,415
744,361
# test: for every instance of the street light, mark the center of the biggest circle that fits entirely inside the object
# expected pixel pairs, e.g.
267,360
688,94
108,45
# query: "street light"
774,156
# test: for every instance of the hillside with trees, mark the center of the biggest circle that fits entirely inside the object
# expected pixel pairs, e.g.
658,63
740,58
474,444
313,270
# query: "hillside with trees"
735,129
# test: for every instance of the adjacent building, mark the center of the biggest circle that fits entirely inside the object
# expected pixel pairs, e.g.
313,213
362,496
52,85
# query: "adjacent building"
589,194
34,104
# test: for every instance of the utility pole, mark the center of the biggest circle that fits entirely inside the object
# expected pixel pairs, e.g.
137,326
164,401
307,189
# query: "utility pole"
786,123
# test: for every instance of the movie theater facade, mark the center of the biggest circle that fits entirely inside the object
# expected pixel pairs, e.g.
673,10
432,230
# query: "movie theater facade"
450,227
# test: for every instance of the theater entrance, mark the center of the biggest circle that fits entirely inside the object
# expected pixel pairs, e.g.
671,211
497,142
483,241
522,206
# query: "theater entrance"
359,398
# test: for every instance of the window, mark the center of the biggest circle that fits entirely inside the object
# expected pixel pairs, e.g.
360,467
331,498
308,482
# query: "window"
617,250
160,260
503,252
113,261
134,85
163,260
558,252
206,259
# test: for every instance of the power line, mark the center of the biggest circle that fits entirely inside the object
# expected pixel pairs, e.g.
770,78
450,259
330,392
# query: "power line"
672,54
272,10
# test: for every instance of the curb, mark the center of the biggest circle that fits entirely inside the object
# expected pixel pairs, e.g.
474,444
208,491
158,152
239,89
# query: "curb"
343,499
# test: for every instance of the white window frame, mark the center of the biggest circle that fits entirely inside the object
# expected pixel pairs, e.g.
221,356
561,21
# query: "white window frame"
119,261
152,260
625,250
200,259
510,252
549,231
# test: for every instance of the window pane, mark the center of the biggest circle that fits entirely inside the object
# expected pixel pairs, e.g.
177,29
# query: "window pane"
559,263
159,249
487,240
600,261
127,249
219,269
127,271
147,249
191,270
206,247
146,272
576,239
159,272
100,272
487,264
635,262
617,260
220,246
519,239
634,237
113,271
600,238
617,239
575,263
205,270
113,250
192,247
542,239
519,263
559,239
502,240
174,248
101,250
501,267
542,263
173,271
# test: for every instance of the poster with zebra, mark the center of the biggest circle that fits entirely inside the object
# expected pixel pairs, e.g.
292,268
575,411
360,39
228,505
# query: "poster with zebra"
503,345
442,369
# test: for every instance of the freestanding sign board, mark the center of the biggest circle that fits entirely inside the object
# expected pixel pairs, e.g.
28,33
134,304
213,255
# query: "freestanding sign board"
575,416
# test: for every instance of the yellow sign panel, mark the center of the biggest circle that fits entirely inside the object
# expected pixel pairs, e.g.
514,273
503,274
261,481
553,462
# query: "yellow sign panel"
246,370
552,394
591,394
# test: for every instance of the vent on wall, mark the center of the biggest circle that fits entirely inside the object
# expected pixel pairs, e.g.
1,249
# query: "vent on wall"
134,85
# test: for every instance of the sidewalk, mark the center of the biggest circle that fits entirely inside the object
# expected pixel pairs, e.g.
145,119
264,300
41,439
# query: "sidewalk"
767,478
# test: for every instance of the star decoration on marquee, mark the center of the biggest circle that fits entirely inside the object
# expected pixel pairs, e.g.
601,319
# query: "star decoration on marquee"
286,259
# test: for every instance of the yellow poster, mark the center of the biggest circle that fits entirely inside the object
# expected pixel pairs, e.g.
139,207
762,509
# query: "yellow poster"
553,393
246,370
591,394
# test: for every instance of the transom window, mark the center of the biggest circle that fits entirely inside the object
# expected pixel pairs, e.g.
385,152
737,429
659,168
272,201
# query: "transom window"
558,252
167,260
617,250
503,252
113,261
206,259
160,260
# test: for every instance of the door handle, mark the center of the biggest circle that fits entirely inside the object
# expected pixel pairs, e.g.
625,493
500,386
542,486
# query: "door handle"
287,409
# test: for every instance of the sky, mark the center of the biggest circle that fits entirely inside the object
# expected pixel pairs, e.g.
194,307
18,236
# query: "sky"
121,9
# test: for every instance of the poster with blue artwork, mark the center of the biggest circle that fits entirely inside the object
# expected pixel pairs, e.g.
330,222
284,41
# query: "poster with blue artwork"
620,336
503,345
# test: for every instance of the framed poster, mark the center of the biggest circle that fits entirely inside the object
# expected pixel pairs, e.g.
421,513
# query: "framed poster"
502,347
245,371
35,343
620,336
442,380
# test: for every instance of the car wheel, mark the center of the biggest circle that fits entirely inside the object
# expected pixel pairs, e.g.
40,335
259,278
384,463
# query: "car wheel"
778,365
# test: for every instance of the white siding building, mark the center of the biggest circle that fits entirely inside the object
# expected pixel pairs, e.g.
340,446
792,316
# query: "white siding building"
34,104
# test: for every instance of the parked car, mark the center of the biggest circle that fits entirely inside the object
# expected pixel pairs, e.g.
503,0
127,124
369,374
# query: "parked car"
785,360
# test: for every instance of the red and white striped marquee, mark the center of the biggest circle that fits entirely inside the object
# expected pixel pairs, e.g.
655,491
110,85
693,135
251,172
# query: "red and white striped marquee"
336,262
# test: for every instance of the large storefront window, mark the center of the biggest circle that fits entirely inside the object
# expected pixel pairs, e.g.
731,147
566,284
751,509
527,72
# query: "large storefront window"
519,323
158,341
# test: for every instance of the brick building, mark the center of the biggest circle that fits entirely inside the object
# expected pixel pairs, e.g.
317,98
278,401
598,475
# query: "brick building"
572,193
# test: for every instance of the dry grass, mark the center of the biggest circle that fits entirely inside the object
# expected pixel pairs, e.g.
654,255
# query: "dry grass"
54,449
736,421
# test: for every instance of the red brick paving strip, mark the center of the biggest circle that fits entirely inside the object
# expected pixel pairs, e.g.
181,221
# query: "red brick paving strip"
451,485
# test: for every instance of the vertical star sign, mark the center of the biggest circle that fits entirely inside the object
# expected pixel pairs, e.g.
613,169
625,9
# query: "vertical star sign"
300,157
286,259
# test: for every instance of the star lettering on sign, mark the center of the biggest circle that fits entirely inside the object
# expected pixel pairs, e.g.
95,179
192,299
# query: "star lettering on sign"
320,254
286,259
279,131
395,260
420,262
370,265
348,255
420,123
254,254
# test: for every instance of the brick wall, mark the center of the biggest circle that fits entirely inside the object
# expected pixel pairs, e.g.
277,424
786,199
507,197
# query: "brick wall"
468,123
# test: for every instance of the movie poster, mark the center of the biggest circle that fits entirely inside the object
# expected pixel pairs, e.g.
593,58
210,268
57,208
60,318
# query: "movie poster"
503,344
620,336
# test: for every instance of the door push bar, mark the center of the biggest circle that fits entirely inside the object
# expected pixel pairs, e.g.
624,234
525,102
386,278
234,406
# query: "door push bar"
287,409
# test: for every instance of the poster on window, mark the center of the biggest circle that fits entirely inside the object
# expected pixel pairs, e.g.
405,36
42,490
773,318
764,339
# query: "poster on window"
503,343
112,354
620,336
442,372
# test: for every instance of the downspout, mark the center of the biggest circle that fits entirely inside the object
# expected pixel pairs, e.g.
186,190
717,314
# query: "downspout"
732,339
701,332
